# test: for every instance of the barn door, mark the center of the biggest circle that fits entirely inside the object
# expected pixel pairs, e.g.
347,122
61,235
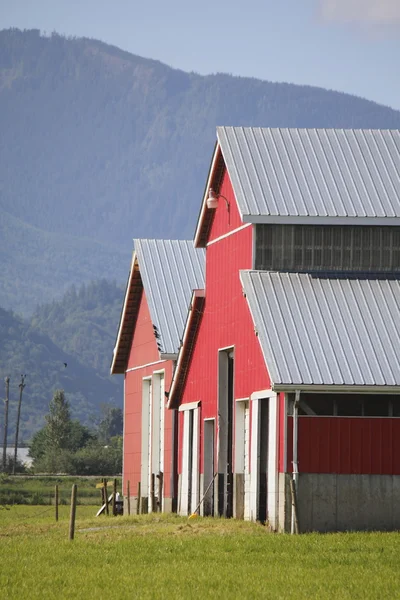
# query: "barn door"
189,496
158,438
246,458
145,470
264,472
209,434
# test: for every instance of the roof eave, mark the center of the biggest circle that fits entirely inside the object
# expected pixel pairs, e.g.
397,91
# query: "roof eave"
336,389
314,220
196,296
118,363
207,214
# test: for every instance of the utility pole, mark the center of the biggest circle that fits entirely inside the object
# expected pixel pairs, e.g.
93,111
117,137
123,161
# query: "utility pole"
7,382
21,389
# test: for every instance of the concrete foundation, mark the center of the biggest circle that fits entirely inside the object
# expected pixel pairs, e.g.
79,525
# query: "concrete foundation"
331,502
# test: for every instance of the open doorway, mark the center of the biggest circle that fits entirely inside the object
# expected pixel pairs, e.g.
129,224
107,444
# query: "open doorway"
209,435
225,431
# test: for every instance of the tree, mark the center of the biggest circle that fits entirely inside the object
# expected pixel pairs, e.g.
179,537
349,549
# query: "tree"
58,421
111,424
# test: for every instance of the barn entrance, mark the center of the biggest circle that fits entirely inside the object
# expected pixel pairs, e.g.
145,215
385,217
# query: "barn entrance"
225,431
208,484
264,455
242,459
189,496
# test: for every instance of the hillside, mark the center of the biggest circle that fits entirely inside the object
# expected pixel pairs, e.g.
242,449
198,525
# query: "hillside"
81,332
98,146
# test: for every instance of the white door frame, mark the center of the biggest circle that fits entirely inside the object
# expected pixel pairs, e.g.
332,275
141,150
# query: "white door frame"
184,495
272,476
146,438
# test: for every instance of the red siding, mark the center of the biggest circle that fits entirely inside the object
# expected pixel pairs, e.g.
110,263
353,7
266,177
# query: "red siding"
143,351
347,445
225,221
226,321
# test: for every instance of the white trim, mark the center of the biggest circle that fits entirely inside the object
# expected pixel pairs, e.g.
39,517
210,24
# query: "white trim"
261,394
195,487
184,497
189,406
254,458
145,442
337,389
157,362
242,399
272,477
309,220
225,235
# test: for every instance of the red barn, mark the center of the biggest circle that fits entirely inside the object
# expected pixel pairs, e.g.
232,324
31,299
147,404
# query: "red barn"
290,363
162,277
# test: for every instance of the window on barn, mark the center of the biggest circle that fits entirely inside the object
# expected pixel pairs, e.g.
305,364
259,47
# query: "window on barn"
347,405
327,249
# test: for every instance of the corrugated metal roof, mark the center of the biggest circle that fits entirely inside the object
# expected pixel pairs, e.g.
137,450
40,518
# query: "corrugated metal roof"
313,173
170,270
326,331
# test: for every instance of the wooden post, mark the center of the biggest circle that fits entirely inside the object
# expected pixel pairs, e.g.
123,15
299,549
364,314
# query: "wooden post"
73,512
7,382
160,490
21,389
114,499
106,496
139,500
128,491
152,495
56,500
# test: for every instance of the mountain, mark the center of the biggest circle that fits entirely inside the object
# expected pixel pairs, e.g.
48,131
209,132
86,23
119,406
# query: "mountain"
98,146
79,330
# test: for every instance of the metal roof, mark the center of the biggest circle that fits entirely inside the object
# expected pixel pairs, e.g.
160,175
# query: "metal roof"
313,174
170,271
327,332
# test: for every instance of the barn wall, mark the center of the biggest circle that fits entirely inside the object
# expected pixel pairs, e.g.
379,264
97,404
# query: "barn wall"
225,221
339,502
346,445
226,322
143,351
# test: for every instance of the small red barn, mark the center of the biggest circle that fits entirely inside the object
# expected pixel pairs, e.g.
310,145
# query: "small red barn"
290,363
161,280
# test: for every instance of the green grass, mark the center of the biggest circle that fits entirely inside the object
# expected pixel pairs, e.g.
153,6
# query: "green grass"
40,489
172,557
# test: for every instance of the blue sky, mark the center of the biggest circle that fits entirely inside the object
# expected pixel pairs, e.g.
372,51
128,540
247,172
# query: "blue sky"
347,45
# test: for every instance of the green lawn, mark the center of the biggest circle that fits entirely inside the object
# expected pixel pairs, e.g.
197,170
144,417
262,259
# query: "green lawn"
172,557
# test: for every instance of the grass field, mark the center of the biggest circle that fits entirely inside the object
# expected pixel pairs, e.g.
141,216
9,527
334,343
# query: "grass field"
172,557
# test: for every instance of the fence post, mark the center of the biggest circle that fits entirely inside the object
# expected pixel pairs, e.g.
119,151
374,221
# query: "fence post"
139,500
73,512
106,496
56,500
152,494
128,490
114,498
